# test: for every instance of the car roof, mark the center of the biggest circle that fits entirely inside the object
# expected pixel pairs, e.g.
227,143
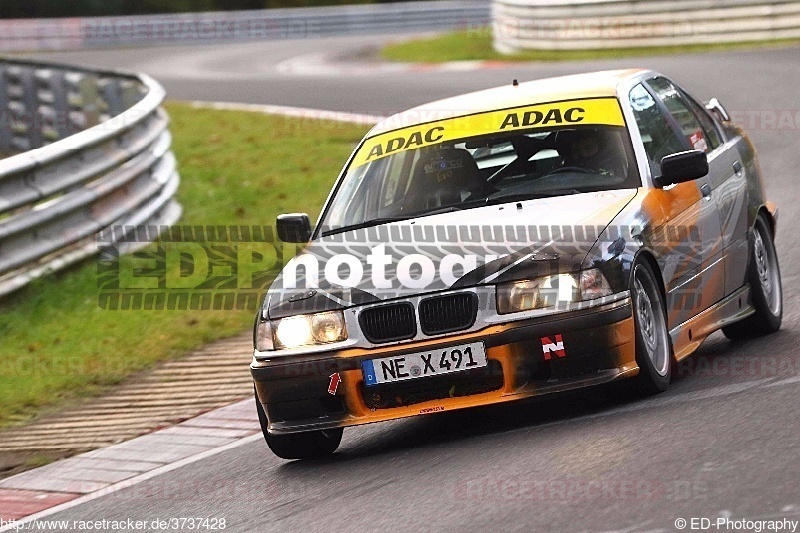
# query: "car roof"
572,87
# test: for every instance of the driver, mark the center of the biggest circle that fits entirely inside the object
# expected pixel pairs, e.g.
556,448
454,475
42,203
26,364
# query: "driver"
589,150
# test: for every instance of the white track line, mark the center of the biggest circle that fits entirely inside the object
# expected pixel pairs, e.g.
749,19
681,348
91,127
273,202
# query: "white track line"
288,111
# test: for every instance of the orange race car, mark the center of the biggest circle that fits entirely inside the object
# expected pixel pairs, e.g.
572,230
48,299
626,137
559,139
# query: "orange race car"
514,242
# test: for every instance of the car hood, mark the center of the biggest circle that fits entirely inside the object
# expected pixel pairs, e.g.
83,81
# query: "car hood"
472,247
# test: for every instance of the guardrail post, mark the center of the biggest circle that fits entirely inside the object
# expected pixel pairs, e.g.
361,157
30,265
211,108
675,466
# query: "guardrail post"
5,118
25,123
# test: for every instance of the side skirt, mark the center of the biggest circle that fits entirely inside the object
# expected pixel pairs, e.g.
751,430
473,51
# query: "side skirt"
687,337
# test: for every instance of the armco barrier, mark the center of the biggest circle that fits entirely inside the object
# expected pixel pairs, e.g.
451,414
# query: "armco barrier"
591,24
92,150
188,28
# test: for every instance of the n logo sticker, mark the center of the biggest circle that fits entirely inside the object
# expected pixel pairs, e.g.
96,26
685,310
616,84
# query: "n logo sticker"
549,347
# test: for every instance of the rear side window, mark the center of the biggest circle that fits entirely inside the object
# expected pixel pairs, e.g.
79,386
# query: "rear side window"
698,136
710,129
660,138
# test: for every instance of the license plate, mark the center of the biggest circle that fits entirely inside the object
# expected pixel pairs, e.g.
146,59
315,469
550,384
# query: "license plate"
424,364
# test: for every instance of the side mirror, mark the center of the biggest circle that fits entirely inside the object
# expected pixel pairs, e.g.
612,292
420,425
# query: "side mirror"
681,167
294,227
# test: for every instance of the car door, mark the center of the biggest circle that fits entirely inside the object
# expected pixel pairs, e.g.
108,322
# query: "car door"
728,177
688,241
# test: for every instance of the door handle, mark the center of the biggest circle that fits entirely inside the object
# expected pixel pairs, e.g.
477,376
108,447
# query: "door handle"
706,190
737,167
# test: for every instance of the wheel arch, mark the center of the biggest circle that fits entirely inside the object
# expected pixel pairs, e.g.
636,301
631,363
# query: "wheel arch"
643,254
770,212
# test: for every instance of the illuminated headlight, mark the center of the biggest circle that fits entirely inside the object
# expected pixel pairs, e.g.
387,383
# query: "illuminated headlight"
305,330
555,291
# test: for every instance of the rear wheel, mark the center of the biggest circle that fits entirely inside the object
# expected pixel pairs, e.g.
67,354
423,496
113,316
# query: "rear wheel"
306,445
653,347
764,277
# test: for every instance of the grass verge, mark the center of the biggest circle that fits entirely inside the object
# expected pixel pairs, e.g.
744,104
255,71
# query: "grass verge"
237,168
472,45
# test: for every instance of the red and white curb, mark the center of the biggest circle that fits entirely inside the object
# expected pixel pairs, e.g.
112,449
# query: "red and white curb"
38,493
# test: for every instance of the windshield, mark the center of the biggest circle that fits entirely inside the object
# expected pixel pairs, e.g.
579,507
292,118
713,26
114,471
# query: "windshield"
488,168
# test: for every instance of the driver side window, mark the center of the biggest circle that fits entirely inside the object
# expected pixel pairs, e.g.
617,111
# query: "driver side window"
659,137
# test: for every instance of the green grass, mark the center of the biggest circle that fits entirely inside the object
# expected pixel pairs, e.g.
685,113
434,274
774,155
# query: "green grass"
469,45
37,461
237,168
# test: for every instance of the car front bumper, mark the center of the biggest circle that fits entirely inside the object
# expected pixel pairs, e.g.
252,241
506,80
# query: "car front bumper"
598,347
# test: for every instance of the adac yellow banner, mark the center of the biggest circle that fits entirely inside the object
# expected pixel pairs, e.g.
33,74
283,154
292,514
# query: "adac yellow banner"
592,111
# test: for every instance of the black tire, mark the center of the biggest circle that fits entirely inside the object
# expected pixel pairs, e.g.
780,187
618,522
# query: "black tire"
653,344
306,445
766,291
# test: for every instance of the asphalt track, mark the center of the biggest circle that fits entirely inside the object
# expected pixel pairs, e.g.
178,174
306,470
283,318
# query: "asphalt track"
722,442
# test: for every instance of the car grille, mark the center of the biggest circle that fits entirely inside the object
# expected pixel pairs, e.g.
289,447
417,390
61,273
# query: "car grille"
478,381
443,314
386,323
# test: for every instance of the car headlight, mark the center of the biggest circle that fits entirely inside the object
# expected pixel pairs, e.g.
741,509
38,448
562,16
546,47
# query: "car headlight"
593,284
551,291
305,330
263,335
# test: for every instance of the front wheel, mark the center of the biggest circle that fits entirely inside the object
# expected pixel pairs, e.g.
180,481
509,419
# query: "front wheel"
764,277
306,445
653,346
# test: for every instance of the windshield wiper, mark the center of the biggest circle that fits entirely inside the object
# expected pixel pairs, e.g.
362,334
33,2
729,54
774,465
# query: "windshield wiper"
367,224
450,208
386,220
519,197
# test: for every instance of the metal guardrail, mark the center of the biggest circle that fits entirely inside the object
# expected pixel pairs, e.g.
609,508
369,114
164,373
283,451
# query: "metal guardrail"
189,28
93,151
593,24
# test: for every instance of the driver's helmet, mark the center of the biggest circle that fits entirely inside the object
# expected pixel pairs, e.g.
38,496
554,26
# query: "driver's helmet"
594,150
445,176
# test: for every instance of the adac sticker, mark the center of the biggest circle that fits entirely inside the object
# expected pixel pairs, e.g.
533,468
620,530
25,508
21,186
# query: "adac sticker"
553,345
591,111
